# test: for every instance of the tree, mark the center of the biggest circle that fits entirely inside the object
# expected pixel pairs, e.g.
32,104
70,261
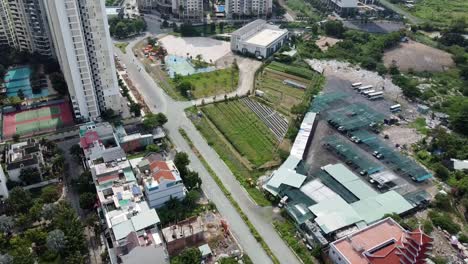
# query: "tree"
65,219
6,259
58,83
192,180
50,194
153,148
20,200
87,200
48,211
6,224
120,30
154,120
334,28
135,109
76,151
84,183
442,202
459,120
30,175
441,171
15,101
188,256
221,27
184,87
21,94
191,199
56,241
16,137
181,161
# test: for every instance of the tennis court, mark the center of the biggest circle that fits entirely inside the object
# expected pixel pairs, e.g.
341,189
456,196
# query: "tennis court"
37,113
38,120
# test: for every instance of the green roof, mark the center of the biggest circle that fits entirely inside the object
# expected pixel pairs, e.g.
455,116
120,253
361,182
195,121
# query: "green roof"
350,181
333,214
375,208
287,175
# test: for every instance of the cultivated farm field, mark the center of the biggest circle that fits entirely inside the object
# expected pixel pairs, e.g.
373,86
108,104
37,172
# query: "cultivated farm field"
244,130
281,96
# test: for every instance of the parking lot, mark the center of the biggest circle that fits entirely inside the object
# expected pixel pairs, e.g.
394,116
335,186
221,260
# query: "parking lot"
319,155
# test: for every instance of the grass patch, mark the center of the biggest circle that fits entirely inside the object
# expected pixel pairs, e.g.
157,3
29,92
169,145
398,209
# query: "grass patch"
244,130
212,83
240,171
122,46
438,11
304,9
420,125
218,181
286,230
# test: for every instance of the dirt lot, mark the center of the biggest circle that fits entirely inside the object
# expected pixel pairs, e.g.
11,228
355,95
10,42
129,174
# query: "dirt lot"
210,49
402,135
419,57
325,42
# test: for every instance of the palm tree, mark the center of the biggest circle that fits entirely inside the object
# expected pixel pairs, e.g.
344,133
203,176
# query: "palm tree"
181,10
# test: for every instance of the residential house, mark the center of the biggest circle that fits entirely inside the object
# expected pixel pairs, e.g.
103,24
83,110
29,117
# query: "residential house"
161,181
23,155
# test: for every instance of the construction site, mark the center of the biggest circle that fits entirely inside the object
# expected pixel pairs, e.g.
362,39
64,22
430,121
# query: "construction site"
209,232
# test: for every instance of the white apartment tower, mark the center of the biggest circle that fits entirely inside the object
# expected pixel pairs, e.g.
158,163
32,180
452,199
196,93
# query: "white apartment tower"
188,9
84,50
254,8
23,25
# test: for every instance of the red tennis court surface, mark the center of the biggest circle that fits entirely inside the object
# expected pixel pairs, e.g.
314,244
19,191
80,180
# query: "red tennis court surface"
37,120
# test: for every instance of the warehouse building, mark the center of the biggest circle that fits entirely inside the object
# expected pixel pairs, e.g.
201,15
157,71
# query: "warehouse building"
258,38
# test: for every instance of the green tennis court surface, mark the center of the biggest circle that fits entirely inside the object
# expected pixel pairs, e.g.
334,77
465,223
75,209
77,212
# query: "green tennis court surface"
31,127
42,112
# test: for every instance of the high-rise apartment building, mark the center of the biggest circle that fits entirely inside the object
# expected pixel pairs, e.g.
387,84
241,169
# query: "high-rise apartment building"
23,25
188,9
84,50
255,8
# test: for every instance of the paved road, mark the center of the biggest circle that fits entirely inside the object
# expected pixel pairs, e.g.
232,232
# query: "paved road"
159,101
74,170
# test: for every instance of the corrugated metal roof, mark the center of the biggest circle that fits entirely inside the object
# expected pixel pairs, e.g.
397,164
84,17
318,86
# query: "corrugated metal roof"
303,135
145,219
333,214
375,208
287,175
122,230
350,181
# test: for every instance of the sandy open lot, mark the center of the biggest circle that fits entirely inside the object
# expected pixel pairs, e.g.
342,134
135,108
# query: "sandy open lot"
325,42
419,57
210,49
